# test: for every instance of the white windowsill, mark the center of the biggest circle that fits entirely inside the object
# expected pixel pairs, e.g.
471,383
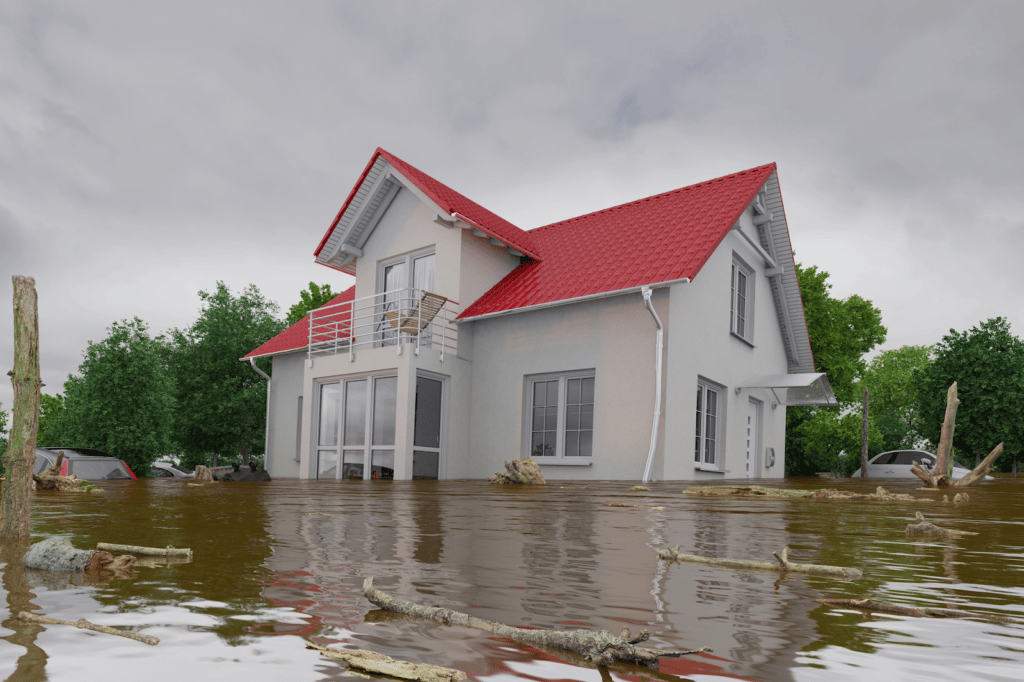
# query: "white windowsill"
746,341
709,469
562,462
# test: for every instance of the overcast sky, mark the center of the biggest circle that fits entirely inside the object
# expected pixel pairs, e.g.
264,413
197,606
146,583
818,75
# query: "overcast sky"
148,150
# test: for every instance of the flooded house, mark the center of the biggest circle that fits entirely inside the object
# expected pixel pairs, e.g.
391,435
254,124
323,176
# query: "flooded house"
660,339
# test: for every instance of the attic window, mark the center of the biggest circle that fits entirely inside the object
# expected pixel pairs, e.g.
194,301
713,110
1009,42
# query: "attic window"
741,308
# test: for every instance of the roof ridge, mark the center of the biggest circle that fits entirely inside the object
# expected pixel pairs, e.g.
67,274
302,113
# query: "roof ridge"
660,195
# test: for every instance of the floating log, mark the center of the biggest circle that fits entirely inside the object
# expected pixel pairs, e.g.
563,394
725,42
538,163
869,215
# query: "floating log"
523,471
145,551
880,494
639,489
898,610
601,648
50,479
86,625
635,506
379,664
923,528
782,564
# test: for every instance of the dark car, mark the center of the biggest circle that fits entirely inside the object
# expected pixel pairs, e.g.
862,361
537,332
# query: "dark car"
88,464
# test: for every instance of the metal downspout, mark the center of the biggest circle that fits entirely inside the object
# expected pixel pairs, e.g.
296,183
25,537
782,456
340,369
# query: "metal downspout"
646,291
266,429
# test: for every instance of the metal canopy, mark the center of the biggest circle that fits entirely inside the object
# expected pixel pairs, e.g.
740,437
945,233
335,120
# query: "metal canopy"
800,389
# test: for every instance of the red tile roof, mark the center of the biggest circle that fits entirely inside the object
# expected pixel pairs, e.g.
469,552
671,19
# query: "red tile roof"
661,238
448,200
296,337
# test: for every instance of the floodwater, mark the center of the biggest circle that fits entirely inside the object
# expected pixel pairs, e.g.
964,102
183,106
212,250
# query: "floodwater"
280,564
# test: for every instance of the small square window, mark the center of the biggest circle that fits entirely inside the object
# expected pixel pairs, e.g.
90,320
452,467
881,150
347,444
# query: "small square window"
561,417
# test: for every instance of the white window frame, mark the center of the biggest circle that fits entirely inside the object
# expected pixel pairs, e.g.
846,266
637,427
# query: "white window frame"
559,458
741,267
339,448
701,431
383,334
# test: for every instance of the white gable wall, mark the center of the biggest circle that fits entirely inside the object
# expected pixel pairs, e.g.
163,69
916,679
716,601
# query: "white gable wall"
701,345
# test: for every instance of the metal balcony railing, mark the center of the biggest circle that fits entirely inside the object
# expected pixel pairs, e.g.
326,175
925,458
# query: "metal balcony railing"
397,318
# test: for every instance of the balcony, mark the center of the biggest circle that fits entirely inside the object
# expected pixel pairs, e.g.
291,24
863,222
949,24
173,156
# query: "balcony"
399,318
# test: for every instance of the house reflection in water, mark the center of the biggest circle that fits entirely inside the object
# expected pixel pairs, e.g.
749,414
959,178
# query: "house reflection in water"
543,558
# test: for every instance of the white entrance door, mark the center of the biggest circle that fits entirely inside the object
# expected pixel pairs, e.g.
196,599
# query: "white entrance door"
753,407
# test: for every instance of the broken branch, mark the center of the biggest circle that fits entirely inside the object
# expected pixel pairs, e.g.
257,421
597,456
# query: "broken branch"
601,648
924,528
145,551
898,610
372,662
86,625
783,564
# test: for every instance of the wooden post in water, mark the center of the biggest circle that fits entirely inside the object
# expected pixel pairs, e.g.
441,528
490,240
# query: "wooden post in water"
864,438
21,449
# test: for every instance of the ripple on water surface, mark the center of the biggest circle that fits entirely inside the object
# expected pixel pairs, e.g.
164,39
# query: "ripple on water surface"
282,563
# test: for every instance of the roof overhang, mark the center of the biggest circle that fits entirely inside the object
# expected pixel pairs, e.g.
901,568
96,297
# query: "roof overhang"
800,389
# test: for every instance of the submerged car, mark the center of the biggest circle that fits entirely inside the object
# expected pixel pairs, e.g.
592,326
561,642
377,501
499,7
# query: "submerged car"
896,464
164,469
88,464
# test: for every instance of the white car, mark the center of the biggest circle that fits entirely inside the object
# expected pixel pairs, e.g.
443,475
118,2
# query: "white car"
896,464
164,469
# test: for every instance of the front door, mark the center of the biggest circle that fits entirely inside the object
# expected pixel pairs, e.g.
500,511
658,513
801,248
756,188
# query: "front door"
753,410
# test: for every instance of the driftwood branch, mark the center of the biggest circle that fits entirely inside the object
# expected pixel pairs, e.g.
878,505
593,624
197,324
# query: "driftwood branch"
924,528
86,625
379,664
50,479
898,610
980,471
941,475
144,551
782,565
601,648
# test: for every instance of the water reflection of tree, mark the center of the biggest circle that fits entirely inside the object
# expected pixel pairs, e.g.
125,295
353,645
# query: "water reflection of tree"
31,664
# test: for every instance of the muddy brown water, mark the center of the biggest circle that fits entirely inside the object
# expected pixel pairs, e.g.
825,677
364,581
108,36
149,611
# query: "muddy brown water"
282,563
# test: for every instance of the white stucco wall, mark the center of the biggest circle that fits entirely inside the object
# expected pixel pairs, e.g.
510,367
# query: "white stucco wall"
615,337
702,345
282,431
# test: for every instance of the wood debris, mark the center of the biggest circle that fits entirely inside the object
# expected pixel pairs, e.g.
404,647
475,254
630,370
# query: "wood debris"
925,529
635,506
520,471
601,648
880,494
898,610
639,489
145,551
782,564
50,479
379,664
86,625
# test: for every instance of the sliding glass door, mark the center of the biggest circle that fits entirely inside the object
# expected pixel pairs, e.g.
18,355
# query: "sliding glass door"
356,425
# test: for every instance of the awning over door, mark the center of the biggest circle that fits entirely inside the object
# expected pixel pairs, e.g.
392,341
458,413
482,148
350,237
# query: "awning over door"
796,389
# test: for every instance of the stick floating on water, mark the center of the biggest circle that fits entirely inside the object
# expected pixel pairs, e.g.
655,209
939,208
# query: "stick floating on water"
86,625
145,551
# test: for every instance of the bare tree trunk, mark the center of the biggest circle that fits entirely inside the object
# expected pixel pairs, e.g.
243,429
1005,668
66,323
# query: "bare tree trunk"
245,455
1014,469
977,456
20,457
942,471
864,438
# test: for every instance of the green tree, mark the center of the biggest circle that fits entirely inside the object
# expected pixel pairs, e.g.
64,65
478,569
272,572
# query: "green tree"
310,299
833,439
841,332
987,363
222,402
121,401
891,380
51,411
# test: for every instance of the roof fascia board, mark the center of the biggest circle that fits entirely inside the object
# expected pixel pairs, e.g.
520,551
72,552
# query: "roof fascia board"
360,212
578,299
382,207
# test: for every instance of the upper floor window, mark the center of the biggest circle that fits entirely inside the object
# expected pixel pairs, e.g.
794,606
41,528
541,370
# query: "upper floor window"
741,309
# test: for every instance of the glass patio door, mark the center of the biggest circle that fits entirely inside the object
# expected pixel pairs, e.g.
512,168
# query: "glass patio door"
357,424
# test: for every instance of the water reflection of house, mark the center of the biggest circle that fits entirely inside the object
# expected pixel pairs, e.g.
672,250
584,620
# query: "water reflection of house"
466,341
